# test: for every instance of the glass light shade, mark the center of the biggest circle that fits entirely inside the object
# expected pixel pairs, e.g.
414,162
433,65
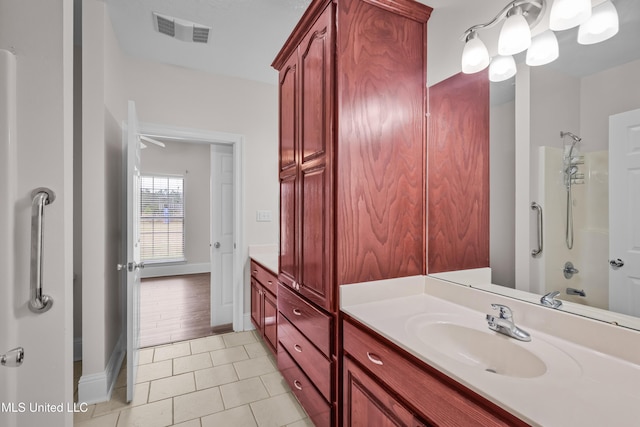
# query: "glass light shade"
567,14
515,35
502,68
543,50
475,56
602,25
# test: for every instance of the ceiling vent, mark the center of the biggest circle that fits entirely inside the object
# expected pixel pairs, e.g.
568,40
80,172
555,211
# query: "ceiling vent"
180,29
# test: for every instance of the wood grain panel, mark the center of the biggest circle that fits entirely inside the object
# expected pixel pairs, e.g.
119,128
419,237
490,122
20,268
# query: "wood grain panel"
381,154
288,113
288,231
270,321
458,173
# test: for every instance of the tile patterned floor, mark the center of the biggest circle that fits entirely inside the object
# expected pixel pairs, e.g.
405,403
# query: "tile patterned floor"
221,380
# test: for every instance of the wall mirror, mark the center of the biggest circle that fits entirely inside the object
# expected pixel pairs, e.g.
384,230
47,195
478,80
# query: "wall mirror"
571,178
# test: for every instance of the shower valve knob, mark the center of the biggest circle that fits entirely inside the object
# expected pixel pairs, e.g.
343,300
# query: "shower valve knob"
616,263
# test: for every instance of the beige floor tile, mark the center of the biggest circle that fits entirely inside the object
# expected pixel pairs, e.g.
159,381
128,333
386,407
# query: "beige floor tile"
197,404
156,414
228,355
302,423
256,349
121,381
145,356
109,420
207,344
171,351
154,371
191,423
243,392
82,416
254,367
211,377
239,338
277,411
140,394
117,402
236,417
275,383
171,386
191,363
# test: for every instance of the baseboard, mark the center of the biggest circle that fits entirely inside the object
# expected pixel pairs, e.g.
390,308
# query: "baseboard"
151,270
96,388
77,349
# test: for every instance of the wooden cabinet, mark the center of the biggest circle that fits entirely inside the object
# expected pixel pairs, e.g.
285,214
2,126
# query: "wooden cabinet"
264,306
419,388
352,95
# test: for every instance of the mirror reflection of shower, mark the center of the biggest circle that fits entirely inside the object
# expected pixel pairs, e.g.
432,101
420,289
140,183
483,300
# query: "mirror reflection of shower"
571,160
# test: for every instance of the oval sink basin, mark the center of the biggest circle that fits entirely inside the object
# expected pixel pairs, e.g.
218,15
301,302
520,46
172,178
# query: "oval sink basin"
490,352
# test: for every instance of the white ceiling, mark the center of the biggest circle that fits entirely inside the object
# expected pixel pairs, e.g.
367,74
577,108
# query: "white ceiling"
246,35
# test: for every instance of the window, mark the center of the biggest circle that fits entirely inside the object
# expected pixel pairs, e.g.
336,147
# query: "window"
162,218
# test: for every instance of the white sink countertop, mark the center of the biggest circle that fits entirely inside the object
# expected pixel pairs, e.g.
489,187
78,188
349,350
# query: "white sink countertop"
265,255
581,386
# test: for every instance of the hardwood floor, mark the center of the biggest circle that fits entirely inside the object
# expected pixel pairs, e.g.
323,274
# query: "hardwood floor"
176,308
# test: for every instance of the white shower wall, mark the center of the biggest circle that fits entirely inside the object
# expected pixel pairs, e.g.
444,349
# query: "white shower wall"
591,227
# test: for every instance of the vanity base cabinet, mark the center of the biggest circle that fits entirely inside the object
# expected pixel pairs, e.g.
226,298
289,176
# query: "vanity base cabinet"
264,305
417,387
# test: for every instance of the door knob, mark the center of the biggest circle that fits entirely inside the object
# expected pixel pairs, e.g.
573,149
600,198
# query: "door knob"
13,358
616,263
216,245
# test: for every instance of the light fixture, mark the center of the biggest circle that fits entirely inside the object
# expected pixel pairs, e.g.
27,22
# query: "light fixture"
602,25
475,56
544,49
502,68
515,35
567,14
520,17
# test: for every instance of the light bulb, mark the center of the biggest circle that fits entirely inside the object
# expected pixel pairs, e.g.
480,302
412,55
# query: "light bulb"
567,14
543,50
475,56
515,35
602,25
502,68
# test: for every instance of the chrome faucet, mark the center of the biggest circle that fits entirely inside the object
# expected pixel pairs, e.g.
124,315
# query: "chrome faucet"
504,323
550,300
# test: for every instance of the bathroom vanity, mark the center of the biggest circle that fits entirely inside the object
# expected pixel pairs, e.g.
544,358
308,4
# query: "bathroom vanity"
264,303
420,349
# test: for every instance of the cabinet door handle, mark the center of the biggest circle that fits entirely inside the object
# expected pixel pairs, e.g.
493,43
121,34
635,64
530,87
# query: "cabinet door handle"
297,312
374,359
255,271
297,348
297,384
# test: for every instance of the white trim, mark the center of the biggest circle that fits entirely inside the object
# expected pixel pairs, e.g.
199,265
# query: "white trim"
237,142
151,270
248,325
96,388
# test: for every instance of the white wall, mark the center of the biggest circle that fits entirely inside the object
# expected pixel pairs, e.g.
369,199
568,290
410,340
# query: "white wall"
43,158
191,161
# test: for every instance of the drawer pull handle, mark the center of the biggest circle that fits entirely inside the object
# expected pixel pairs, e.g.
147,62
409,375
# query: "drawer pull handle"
297,384
374,359
297,348
270,282
297,312
255,271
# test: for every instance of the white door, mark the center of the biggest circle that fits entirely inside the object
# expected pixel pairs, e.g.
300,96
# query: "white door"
222,236
624,212
133,264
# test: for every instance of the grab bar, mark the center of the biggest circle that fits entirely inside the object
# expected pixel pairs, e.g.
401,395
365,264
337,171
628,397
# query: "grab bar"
39,303
538,208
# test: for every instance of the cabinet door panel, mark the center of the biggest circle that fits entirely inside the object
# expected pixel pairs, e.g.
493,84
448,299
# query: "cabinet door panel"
315,278
270,321
366,403
315,77
288,113
256,304
288,231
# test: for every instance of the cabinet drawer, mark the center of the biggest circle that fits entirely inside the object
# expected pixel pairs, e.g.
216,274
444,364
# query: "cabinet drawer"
441,402
265,277
310,359
311,400
314,324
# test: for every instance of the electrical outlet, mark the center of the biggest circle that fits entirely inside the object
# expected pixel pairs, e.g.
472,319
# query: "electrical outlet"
263,216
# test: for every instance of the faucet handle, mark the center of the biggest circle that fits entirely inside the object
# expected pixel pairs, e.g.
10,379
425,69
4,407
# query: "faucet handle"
505,312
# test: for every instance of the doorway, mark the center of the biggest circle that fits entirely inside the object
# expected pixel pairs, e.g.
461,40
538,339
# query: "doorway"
222,269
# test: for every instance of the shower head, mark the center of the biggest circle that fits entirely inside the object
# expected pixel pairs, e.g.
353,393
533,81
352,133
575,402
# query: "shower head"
573,136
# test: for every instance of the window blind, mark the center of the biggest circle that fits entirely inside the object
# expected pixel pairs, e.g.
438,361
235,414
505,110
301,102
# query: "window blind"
162,218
